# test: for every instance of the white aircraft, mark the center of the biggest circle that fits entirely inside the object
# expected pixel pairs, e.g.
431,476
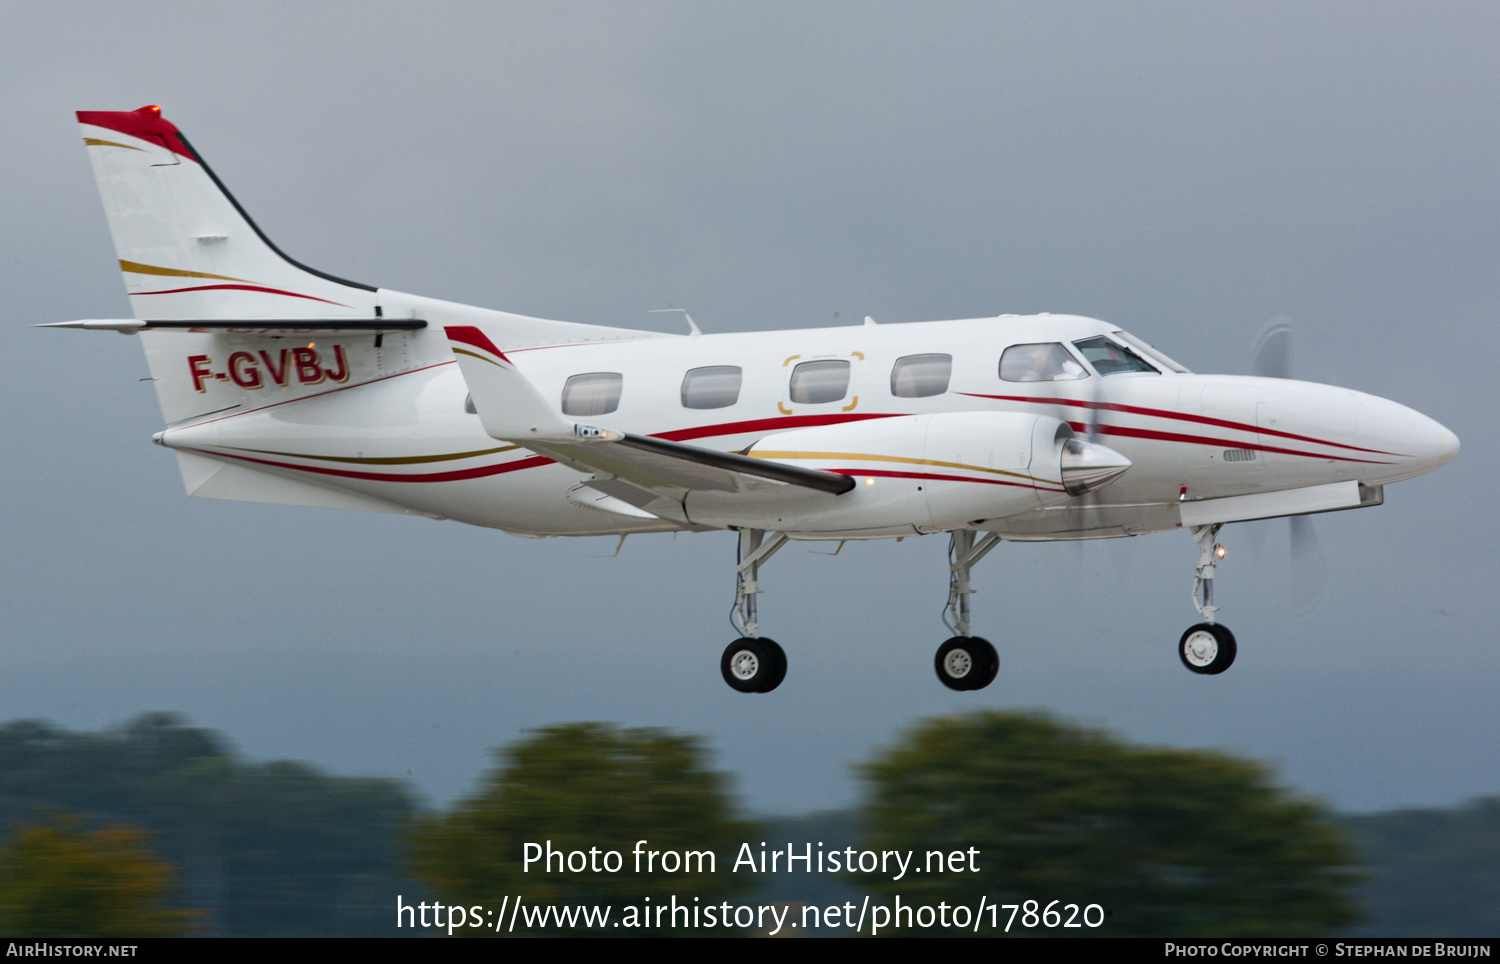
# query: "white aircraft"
280,383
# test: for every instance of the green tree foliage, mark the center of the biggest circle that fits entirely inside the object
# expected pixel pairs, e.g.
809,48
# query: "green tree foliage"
59,880
273,849
1170,842
585,786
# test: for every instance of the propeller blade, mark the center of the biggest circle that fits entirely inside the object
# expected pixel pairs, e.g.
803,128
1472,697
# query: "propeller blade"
1309,569
1271,352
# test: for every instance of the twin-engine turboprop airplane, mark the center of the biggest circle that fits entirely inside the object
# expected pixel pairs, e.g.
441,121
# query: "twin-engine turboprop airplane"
279,383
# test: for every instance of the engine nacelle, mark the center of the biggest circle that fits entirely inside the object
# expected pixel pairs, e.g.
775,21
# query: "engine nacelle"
917,473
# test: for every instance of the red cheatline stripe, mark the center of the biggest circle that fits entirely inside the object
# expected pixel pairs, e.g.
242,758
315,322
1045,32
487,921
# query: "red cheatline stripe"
765,425
1178,416
473,337
456,475
893,474
1207,440
269,291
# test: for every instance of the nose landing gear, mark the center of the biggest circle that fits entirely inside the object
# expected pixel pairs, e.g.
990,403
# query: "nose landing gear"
1207,647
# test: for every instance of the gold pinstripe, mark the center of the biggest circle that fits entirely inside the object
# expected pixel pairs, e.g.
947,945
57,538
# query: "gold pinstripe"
465,351
135,267
100,142
395,460
864,457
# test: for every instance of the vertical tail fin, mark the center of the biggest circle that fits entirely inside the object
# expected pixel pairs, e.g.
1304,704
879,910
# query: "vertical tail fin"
186,247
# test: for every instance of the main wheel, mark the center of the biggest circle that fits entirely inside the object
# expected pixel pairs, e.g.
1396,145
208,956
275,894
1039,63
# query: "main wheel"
966,663
779,667
1207,648
753,665
992,659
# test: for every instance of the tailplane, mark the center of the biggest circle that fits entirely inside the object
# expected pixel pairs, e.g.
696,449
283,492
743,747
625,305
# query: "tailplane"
187,250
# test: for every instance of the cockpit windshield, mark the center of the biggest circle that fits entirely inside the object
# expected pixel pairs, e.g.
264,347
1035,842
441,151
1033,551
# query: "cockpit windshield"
1111,358
1152,353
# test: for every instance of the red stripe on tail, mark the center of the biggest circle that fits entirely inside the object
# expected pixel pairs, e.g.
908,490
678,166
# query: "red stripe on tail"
474,338
145,123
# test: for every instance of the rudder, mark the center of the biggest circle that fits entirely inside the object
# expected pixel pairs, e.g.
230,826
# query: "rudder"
187,249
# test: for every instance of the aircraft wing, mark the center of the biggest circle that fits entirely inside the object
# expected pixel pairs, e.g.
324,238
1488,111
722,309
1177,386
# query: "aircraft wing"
655,464
649,473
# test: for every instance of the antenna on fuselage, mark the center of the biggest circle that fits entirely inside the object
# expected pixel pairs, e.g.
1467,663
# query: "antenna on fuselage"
869,322
692,326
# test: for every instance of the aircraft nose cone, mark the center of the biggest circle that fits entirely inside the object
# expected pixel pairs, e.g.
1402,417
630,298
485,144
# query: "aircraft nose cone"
1420,444
1088,465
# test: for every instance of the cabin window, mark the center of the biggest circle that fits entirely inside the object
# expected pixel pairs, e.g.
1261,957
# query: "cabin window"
815,382
1112,358
918,376
594,393
1040,363
717,386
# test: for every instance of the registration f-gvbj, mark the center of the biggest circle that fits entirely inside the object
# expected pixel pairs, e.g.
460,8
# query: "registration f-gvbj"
280,383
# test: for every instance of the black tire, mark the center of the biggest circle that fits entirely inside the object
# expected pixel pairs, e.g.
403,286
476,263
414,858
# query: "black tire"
780,666
966,663
752,665
992,662
1207,648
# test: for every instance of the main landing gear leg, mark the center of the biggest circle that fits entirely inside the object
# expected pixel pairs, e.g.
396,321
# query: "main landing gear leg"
752,663
965,662
1207,647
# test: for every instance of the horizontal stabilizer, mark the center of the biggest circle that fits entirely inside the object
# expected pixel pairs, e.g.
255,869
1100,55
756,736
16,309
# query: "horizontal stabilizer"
248,326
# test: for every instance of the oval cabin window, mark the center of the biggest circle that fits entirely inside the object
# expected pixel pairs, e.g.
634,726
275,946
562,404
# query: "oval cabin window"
816,382
717,386
918,376
593,393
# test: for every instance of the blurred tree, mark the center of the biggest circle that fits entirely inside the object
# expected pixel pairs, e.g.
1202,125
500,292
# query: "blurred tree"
267,849
58,880
1433,872
584,786
1170,842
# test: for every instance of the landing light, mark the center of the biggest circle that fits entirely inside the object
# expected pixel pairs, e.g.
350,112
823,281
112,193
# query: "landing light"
1220,552
869,481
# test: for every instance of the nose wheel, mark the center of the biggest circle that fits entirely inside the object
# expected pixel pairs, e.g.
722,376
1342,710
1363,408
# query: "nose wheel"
966,663
1207,647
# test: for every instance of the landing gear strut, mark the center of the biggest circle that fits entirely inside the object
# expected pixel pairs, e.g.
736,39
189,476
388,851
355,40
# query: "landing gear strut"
965,662
1207,647
752,664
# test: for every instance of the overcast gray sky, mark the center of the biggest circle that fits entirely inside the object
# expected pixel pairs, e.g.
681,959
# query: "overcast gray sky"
1186,170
